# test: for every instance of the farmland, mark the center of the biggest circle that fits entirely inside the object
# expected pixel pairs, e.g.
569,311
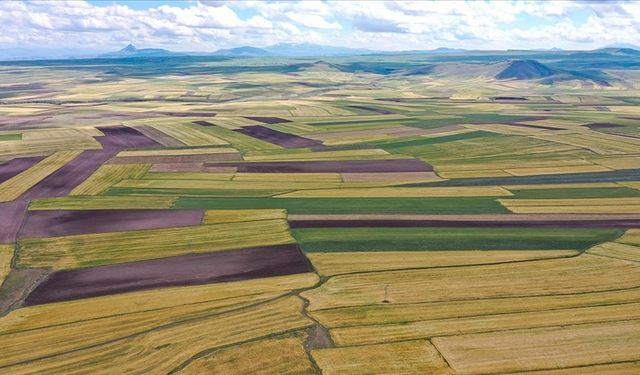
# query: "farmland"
358,215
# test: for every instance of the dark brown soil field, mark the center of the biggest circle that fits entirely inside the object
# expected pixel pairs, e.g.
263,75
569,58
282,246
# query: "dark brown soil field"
171,159
342,166
602,125
62,181
543,127
189,114
118,138
379,111
267,120
65,223
191,269
279,138
11,214
203,123
16,166
65,179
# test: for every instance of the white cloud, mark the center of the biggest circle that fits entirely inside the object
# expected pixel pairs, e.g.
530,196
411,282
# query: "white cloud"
207,25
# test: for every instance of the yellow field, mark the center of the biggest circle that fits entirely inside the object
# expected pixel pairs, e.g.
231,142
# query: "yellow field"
17,185
233,216
543,348
413,357
390,314
177,152
371,334
574,275
336,262
165,347
288,155
242,184
190,135
390,192
219,176
278,355
46,146
101,202
533,171
6,254
391,178
108,175
617,250
117,247
573,206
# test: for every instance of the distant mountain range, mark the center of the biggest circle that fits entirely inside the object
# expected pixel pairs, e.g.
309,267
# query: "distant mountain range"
281,49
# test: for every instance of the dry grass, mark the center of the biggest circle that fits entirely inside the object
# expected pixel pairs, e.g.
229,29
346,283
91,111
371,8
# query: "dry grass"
233,216
381,314
178,152
190,135
164,347
556,170
17,185
336,263
573,206
617,250
574,275
392,192
372,334
108,175
413,357
543,348
102,203
283,355
6,254
118,247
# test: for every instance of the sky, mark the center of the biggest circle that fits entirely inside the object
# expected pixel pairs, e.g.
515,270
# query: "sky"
208,25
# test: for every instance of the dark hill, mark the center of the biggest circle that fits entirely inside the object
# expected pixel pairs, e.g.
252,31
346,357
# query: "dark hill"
525,69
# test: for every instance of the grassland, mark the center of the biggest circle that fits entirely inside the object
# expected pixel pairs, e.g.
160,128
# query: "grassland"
423,223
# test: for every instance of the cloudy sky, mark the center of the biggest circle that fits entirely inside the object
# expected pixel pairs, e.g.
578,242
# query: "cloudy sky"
206,25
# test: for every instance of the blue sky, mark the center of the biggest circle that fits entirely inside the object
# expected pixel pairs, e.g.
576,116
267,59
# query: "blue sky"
207,25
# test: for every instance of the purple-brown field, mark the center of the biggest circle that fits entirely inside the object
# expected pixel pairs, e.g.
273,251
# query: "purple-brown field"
344,166
171,159
65,223
379,111
11,214
16,166
285,140
193,269
267,120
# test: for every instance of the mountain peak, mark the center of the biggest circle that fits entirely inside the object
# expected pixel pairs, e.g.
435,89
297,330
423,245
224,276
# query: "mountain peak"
130,48
525,69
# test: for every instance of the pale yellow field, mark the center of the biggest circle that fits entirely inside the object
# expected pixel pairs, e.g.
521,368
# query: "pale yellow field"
117,247
166,347
390,192
412,357
6,254
101,202
573,206
617,250
556,170
46,146
383,314
371,334
574,275
233,216
17,185
542,348
189,134
278,355
177,152
288,155
108,175
333,263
